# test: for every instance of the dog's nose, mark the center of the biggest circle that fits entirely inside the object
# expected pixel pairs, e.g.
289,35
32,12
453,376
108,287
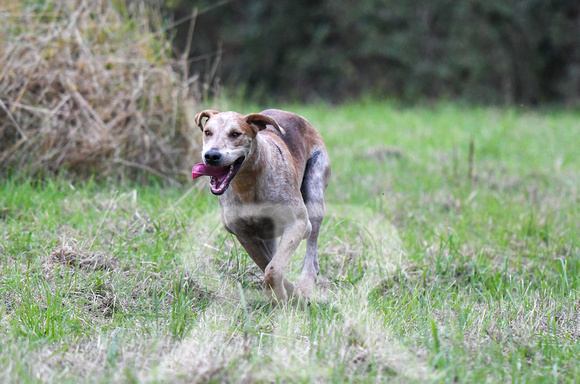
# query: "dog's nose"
212,157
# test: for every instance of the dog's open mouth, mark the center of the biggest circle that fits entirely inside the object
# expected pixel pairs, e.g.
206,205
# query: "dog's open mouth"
221,177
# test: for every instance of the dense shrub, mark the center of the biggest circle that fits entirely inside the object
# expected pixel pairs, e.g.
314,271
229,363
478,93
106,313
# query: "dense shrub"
487,51
92,88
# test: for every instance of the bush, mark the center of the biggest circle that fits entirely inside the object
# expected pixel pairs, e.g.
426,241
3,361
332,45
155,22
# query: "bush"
90,87
498,51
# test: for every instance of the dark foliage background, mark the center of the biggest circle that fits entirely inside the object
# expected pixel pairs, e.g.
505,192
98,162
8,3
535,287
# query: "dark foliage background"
494,51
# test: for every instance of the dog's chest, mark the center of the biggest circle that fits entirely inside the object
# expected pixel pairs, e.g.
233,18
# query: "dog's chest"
256,221
263,228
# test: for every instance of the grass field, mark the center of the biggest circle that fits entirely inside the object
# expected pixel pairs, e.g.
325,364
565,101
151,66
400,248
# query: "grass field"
450,253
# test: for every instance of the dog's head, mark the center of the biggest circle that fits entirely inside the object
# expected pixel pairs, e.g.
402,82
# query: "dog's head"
227,143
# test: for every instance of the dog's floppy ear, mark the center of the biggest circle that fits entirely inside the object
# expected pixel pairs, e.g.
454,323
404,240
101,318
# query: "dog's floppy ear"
207,113
260,121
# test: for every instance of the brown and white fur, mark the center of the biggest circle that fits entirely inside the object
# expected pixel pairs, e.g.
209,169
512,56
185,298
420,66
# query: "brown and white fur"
277,192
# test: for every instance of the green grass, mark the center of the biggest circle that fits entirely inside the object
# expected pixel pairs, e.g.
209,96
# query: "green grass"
434,267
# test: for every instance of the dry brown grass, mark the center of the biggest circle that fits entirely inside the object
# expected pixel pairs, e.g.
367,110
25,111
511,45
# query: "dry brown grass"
91,87
71,256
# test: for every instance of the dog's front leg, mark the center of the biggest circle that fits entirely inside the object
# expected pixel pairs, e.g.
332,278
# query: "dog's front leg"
262,252
276,270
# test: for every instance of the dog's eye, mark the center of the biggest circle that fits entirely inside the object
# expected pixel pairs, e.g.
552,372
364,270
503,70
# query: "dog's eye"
235,134
207,133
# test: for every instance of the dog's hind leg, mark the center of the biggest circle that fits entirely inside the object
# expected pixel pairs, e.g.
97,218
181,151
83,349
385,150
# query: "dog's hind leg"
316,177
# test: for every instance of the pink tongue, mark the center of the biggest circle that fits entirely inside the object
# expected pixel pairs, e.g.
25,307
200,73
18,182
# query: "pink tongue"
203,170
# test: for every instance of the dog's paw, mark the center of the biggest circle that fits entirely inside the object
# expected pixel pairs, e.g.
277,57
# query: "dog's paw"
276,286
277,294
270,293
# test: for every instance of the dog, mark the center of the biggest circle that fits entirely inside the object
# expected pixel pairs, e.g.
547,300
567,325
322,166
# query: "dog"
270,171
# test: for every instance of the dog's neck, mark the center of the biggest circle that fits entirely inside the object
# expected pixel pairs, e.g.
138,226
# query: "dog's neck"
245,184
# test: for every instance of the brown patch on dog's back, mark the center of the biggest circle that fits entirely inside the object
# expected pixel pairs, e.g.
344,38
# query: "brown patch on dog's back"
300,135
